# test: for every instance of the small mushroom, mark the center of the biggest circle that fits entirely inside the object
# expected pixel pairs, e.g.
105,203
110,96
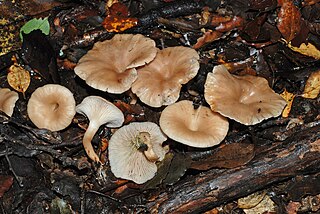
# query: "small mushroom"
98,111
8,100
134,149
111,65
245,99
194,127
160,81
52,107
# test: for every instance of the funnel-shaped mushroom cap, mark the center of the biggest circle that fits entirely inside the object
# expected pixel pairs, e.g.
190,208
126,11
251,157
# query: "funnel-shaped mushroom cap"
160,81
245,99
52,107
194,127
99,111
8,100
110,65
126,152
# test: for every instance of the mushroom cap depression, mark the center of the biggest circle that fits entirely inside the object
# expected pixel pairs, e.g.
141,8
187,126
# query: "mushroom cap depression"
245,99
110,65
100,111
8,100
51,107
127,161
199,127
160,81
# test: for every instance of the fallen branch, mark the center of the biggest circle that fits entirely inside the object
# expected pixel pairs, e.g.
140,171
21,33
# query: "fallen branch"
299,154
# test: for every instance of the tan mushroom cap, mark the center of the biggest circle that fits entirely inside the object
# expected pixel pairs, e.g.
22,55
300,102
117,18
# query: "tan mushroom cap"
51,107
110,65
160,81
126,161
194,127
99,111
245,99
8,100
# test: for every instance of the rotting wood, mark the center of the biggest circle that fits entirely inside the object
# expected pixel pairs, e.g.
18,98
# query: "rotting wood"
299,154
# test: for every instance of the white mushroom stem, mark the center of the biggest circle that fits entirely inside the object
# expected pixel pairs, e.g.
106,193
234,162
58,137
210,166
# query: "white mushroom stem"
151,155
87,138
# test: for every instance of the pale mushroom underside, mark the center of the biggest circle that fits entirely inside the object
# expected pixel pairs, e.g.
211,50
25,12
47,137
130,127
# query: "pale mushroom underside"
126,161
245,99
8,100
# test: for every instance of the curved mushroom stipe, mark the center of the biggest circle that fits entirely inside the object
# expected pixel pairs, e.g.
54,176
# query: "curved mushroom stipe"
87,138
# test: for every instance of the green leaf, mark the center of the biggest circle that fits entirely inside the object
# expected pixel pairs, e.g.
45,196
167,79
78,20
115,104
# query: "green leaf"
35,24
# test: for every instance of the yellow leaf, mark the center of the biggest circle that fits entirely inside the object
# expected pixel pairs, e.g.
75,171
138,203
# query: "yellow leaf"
18,78
312,87
289,98
306,49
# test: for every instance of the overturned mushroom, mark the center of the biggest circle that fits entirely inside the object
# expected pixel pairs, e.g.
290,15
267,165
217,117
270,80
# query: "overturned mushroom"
134,149
245,99
110,65
99,111
8,100
160,81
194,127
51,106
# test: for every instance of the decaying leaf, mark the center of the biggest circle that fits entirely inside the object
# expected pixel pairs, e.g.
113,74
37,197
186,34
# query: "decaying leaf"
289,98
312,87
208,36
226,156
258,202
118,20
306,49
35,24
5,183
18,78
289,20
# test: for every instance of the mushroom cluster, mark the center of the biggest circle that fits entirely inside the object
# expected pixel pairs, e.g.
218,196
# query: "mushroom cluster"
111,65
134,149
245,99
8,100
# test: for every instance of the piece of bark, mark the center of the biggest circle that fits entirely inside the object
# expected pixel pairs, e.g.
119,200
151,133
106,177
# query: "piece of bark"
299,154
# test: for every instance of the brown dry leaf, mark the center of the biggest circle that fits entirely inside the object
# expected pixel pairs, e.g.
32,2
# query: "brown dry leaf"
118,20
5,183
306,49
289,20
258,202
18,78
208,36
312,87
289,98
226,156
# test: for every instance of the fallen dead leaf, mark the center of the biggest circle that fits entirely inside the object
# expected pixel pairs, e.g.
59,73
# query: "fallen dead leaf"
289,20
306,49
258,202
289,97
18,78
312,87
5,183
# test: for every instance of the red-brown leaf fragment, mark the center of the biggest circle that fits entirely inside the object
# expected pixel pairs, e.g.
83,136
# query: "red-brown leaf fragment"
289,20
5,183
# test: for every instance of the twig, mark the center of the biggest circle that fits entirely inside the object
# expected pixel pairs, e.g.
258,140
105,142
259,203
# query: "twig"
11,168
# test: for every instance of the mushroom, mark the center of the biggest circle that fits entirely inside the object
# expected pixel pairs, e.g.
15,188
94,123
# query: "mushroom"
52,107
98,111
199,127
8,100
245,99
111,65
134,149
160,81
